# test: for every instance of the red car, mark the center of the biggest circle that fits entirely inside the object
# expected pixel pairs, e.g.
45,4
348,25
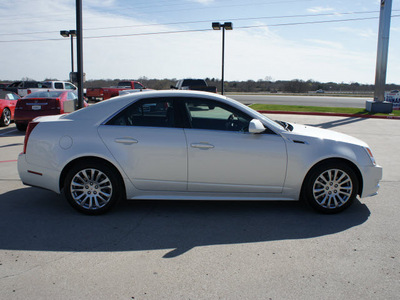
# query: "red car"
44,103
8,100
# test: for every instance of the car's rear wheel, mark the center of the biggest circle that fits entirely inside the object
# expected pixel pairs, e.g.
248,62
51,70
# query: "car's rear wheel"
5,117
21,127
331,187
92,188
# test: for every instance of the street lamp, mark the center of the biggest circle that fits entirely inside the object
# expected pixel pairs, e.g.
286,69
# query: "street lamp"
72,34
225,26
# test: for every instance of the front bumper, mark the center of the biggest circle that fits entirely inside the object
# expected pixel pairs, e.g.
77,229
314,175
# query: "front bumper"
371,177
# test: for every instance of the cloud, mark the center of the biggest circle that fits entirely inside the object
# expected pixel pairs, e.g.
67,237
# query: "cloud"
330,44
206,2
361,32
320,9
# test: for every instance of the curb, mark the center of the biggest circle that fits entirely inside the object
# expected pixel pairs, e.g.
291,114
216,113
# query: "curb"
328,114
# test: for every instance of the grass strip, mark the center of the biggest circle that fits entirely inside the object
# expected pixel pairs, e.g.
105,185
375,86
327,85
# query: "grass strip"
319,109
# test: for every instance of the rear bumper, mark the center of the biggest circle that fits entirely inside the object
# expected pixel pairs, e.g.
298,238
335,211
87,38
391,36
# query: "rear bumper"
371,178
24,117
33,175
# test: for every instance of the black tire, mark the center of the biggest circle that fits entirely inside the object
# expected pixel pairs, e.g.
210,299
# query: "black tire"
5,119
330,187
21,127
92,188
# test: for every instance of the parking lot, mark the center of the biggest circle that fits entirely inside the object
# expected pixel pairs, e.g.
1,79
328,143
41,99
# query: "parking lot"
203,250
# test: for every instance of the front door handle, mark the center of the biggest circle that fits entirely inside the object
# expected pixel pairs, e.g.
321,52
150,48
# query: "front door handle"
126,141
204,146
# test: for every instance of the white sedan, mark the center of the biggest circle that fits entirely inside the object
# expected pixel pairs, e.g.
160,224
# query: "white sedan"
191,146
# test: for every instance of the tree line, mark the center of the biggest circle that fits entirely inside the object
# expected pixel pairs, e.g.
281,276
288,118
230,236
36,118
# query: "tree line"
251,86
259,86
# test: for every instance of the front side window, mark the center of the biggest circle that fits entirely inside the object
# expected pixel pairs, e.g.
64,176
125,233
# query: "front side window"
213,115
148,112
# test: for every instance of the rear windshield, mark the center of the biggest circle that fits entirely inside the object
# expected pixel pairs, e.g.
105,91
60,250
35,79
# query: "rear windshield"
124,84
32,84
193,82
44,94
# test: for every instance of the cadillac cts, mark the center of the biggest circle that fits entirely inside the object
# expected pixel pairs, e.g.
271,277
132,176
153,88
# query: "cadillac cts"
191,146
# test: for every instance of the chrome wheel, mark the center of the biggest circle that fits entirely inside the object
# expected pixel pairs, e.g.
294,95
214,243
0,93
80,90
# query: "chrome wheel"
6,117
91,189
333,188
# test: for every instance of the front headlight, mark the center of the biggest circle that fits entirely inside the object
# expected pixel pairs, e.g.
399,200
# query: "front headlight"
371,156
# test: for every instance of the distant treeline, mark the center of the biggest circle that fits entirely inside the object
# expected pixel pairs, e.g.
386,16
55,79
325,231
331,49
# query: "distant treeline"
259,86
251,86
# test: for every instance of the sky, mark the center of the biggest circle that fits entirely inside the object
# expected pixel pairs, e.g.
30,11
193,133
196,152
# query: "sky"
326,41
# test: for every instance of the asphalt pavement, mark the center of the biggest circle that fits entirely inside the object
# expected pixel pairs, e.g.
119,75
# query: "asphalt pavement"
203,250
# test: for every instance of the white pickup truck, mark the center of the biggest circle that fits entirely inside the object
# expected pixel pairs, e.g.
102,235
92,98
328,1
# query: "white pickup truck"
54,85
23,88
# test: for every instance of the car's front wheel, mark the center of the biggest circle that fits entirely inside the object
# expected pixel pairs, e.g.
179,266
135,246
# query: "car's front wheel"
331,187
5,119
92,188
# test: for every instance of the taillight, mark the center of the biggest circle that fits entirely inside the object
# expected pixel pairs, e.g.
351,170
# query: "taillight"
29,129
29,91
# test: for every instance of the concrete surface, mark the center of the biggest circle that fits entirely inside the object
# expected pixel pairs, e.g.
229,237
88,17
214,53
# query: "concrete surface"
203,250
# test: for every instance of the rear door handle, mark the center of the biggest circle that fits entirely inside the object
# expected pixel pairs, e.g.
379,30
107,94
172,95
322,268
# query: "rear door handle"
126,141
204,146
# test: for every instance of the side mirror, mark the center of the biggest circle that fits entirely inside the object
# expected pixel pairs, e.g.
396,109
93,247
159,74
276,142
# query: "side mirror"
256,126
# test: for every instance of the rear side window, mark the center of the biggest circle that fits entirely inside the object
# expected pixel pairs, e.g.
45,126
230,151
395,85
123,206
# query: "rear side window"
148,112
58,85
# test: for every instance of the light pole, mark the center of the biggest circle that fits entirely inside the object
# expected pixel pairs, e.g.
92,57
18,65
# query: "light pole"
225,26
72,34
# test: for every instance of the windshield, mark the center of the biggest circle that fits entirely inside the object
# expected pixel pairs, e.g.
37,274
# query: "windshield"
44,94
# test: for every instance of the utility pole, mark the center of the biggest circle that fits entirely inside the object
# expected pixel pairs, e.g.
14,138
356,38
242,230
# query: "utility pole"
79,52
379,105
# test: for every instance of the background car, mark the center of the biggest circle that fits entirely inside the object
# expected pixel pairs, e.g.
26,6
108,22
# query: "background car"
8,101
191,146
43,103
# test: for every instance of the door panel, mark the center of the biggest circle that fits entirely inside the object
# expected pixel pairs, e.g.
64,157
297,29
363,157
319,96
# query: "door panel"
153,158
226,161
